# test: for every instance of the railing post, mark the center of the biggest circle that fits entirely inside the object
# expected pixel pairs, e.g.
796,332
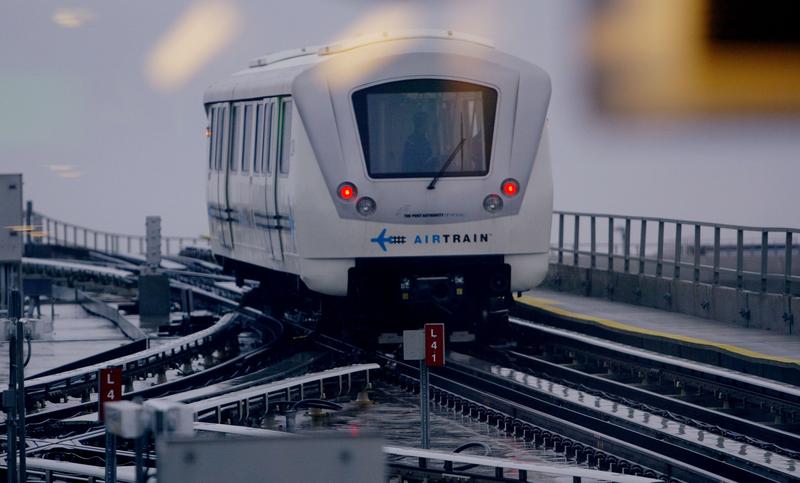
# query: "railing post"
576,241
739,258
141,241
610,243
764,255
593,242
75,235
128,239
626,250
677,270
642,243
105,244
169,250
660,252
716,254
787,273
94,234
560,238
85,244
696,276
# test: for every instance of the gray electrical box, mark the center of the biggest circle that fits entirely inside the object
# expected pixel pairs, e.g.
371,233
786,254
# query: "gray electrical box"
11,235
331,459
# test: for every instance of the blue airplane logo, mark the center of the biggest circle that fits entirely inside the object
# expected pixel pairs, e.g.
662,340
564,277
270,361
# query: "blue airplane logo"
382,240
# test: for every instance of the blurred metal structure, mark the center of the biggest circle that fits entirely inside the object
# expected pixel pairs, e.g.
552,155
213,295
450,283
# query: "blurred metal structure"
11,236
153,237
695,56
271,459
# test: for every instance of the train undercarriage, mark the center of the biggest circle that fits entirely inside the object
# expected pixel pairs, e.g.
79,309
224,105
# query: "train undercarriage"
470,294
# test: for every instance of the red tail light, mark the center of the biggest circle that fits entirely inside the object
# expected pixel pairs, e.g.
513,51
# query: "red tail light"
510,187
347,191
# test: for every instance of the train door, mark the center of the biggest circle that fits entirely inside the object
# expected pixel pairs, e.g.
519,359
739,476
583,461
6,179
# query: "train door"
282,206
217,174
223,161
239,181
261,218
271,156
214,225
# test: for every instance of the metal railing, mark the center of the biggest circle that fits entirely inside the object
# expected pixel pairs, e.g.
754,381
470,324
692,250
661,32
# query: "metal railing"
50,231
744,257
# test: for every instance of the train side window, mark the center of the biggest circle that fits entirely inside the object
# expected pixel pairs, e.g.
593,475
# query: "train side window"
286,135
259,135
267,142
247,130
236,138
212,140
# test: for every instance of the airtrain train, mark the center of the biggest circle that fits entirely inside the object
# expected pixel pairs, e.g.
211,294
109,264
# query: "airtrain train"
399,169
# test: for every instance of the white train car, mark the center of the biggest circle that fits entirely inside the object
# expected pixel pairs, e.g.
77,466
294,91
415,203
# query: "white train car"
400,168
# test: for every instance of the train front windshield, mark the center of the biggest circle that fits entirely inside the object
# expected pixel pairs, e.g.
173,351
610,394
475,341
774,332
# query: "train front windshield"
426,128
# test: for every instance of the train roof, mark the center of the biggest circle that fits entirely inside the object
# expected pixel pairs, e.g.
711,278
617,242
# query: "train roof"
275,72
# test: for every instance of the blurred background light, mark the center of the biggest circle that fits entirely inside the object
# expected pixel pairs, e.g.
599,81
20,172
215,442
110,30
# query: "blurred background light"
201,32
72,17
68,171
385,18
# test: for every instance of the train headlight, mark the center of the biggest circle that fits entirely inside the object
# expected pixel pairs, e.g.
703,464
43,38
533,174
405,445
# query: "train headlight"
492,203
366,206
510,187
347,191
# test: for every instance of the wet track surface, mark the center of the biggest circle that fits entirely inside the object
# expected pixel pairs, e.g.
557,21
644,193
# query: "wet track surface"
395,416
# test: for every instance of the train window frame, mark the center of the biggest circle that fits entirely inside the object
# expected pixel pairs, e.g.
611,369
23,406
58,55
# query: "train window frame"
259,134
285,129
222,143
235,147
247,138
212,138
266,156
490,107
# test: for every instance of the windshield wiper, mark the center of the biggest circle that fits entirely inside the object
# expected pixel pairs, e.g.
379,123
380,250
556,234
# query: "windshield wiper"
432,184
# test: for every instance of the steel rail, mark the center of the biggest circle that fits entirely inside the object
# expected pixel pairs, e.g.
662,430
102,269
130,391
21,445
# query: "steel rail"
522,415
630,443
84,378
779,394
238,365
751,432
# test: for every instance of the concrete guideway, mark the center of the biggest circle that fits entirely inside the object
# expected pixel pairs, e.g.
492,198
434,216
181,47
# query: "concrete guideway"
748,342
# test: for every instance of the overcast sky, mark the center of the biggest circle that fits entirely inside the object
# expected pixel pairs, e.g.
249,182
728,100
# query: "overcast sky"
101,109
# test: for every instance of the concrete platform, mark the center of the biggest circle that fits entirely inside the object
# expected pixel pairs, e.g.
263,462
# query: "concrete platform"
727,345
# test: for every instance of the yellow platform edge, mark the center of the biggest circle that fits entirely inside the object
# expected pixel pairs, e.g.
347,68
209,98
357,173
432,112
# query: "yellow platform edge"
551,306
